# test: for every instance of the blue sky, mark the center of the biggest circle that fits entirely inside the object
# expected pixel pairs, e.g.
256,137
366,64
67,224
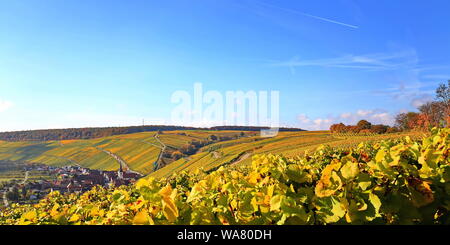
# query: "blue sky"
113,63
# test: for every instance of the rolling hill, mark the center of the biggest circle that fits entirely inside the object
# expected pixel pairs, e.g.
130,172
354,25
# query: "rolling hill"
289,144
141,151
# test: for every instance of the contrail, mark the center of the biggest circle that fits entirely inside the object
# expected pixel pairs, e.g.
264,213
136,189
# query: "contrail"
309,15
328,20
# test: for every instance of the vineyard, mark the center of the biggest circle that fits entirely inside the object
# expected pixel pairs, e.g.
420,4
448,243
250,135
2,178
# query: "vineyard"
138,150
392,181
288,144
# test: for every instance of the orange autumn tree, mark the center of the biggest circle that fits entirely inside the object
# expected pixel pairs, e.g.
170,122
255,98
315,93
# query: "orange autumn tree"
362,127
431,114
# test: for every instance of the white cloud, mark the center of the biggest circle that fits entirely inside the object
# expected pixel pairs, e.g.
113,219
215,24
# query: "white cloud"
346,115
363,113
420,100
406,58
415,93
303,118
373,116
409,80
5,105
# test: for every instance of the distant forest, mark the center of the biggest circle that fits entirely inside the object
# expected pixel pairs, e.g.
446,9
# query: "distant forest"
90,133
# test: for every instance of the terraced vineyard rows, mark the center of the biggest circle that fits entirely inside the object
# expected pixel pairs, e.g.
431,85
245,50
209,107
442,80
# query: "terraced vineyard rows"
131,148
393,181
288,144
139,151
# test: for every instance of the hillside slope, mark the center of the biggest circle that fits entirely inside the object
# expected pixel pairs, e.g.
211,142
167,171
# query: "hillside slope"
289,144
401,181
139,151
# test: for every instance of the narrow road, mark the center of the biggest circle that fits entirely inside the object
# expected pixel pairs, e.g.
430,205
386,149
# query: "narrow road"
155,145
25,178
241,158
121,162
158,160
159,141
